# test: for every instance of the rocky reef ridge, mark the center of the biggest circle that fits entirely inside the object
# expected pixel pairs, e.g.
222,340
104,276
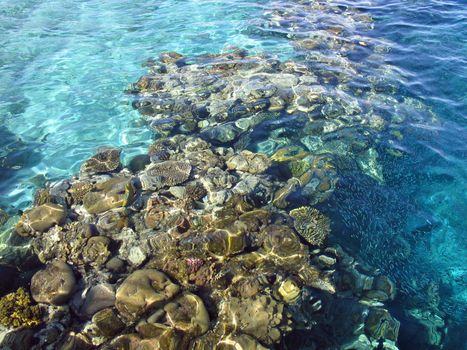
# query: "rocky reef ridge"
202,260
215,239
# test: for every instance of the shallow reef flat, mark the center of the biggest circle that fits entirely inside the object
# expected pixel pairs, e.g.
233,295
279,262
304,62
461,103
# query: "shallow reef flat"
216,237
188,249
199,243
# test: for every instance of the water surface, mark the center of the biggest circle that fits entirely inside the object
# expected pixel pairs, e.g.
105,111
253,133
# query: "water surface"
64,66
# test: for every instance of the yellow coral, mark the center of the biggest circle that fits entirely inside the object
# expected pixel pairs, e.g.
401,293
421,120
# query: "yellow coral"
16,310
79,190
289,153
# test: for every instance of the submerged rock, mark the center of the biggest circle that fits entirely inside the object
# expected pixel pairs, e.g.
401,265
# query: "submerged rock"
114,193
9,273
170,57
78,190
107,322
139,162
3,216
204,224
249,162
196,240
54,284
40,219
281,196
289,291
18,339
144,290
290,153
261,317
188,314
97,298
96,251
380,324
74,340
239,342
226,242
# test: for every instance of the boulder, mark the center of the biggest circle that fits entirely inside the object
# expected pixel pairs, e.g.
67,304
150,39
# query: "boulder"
143,290
54,284
41,219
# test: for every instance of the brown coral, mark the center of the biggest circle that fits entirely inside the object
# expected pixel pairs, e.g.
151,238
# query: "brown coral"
40,219
261,317
54,284
143,290
113,193
164,212
188,313
96,251
313,226
79,190
246,161
106,159
168,173
195,191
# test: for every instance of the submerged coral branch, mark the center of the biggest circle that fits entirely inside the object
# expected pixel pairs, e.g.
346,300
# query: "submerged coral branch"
18,310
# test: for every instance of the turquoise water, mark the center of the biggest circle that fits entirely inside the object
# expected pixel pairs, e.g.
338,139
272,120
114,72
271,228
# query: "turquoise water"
432,46
64,66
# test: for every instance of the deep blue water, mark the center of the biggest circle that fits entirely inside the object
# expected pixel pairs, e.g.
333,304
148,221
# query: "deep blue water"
65,64
424,201
430,185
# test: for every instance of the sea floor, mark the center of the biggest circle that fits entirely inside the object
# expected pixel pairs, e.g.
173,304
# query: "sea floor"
279,174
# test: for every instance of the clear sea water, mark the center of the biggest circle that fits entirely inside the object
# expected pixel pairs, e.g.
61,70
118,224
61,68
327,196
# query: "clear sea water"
65,64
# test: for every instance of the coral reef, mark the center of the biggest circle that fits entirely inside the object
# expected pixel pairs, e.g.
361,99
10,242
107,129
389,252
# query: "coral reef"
204,257
17,310
249,162
198,243
143,290
110,194
107,159
3,216
311,224
168,173
261,317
